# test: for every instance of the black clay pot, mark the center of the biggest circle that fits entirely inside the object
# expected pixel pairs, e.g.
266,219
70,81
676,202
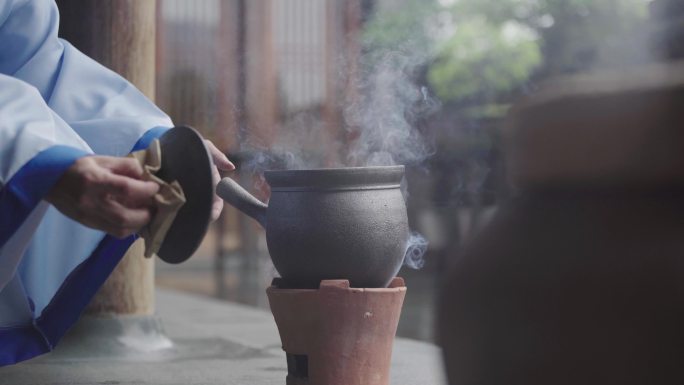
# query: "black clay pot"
346,223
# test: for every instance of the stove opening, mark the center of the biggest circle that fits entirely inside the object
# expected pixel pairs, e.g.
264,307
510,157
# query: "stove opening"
298,365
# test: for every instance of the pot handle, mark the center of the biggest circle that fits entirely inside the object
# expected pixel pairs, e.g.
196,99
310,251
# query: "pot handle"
231,192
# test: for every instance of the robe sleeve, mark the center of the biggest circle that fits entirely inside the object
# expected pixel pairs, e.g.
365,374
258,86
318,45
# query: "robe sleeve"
36,147
56,105
65,101
103,108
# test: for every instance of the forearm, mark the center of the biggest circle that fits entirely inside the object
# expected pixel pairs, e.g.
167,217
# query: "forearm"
36,147
103,108
29,129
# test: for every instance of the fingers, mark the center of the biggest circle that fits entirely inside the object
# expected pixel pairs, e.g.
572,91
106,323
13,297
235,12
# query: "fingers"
105,193
216,208
217,205
133,192
114,218
124,166
121,221
128,201
220,159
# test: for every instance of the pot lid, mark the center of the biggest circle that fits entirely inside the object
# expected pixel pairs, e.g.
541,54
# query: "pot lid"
336,178
185,159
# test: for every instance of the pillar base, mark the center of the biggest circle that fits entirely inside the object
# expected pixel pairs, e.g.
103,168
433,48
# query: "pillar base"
120,338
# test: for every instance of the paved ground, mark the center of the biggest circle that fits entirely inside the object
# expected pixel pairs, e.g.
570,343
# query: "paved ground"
211,342
245,282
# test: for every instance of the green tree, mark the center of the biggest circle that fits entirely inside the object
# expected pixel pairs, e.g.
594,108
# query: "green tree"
481,50
482,59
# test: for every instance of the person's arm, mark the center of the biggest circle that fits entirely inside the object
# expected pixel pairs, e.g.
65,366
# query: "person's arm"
36,147
103,108
41,158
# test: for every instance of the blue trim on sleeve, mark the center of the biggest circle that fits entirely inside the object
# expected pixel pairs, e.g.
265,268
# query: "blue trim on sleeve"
24,191
20,343
79,288
27,341
148,137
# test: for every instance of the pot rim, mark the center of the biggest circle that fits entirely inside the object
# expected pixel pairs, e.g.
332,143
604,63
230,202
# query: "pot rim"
341,178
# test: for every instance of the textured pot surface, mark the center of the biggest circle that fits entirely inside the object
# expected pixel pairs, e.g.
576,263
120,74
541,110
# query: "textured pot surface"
337,224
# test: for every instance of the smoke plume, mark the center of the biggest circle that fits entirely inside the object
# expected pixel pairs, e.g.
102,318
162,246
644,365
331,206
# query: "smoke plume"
415,250
382,111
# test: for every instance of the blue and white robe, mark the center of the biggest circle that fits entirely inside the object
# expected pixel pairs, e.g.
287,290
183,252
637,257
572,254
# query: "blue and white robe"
56,105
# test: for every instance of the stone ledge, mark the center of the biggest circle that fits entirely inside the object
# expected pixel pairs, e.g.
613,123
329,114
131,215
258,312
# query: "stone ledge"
214,342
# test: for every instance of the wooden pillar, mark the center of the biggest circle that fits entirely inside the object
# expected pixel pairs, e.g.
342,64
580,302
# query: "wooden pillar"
261,88
119,34
228,73
230,117
343,54
335,64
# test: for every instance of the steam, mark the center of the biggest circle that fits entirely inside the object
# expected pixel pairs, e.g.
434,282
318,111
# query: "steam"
415,251
382,112
303,142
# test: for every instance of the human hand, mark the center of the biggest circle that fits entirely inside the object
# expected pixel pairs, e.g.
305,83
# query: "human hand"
222,163
105,193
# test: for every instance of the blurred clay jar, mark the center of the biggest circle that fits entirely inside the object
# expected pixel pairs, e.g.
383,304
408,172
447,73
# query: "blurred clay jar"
576,277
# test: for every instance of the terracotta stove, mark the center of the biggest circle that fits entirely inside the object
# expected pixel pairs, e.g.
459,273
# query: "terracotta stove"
336,334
